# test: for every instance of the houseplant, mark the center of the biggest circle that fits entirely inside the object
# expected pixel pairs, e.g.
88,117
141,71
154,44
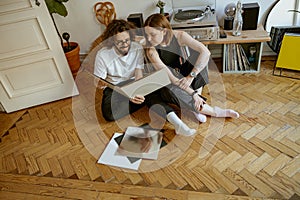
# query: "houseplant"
71,49
161,5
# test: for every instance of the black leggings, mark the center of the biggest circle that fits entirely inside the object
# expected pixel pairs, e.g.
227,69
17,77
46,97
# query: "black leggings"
115,105
173,94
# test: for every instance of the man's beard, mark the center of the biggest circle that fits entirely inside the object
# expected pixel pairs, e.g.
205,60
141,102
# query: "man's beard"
123,50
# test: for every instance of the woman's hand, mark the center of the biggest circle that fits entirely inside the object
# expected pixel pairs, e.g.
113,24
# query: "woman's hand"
138,99
185,82
199,102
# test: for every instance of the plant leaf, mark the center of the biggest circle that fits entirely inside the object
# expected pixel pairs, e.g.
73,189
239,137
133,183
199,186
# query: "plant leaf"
55,6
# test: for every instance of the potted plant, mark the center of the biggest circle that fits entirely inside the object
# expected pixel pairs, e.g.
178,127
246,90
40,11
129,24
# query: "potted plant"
161,5
71,49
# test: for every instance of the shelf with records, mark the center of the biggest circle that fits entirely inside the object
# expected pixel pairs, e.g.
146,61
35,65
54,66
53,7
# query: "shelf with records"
242,57
242,43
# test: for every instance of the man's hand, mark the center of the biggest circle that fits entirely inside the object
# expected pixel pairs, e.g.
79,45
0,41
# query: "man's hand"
138,99
185,82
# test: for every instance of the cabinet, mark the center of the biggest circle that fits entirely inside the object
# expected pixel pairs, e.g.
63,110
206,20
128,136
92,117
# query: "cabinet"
288,57
242,54
242,57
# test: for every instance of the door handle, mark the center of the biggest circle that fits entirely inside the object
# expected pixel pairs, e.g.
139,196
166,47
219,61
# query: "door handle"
37,3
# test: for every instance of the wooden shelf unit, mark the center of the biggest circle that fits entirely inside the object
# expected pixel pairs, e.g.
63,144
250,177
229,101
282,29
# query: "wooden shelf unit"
246,40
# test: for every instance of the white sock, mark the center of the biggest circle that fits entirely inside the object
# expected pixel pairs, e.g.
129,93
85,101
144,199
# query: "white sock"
199,90
200,117
232,113
180,127
226,113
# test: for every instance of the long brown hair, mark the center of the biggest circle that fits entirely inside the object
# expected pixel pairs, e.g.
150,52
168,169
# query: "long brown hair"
159,21
113,28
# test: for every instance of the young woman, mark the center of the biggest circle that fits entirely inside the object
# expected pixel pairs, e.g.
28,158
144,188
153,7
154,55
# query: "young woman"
165,51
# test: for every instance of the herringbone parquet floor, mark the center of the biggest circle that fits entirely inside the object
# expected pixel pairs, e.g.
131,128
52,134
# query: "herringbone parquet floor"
256,155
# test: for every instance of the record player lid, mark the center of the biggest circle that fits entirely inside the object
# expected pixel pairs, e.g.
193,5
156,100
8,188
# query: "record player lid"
193,3
189,14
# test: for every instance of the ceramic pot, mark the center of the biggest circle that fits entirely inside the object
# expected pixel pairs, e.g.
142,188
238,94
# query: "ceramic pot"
73,57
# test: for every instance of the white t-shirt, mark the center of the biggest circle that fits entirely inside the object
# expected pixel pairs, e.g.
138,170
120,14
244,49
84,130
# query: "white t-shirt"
115,68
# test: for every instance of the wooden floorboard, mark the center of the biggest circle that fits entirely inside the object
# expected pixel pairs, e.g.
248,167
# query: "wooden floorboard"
54,147
33,187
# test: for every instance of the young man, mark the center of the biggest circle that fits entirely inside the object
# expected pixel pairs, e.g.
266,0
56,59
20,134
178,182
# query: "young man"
121,59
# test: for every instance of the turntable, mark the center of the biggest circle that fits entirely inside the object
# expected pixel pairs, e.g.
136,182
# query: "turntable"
198,18
189,15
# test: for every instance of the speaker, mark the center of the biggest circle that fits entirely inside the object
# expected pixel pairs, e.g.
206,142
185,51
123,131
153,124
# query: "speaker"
228,23
250,16
137,19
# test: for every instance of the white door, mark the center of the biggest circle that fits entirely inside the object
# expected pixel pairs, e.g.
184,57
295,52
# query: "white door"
33,67
281,14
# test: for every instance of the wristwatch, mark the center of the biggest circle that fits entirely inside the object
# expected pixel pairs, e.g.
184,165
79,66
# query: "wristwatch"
193,74
195,92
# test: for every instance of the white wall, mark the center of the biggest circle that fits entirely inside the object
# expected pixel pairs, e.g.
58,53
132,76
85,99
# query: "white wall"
83,27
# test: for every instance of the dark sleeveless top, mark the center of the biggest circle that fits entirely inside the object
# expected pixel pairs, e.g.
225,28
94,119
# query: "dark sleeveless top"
172,56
